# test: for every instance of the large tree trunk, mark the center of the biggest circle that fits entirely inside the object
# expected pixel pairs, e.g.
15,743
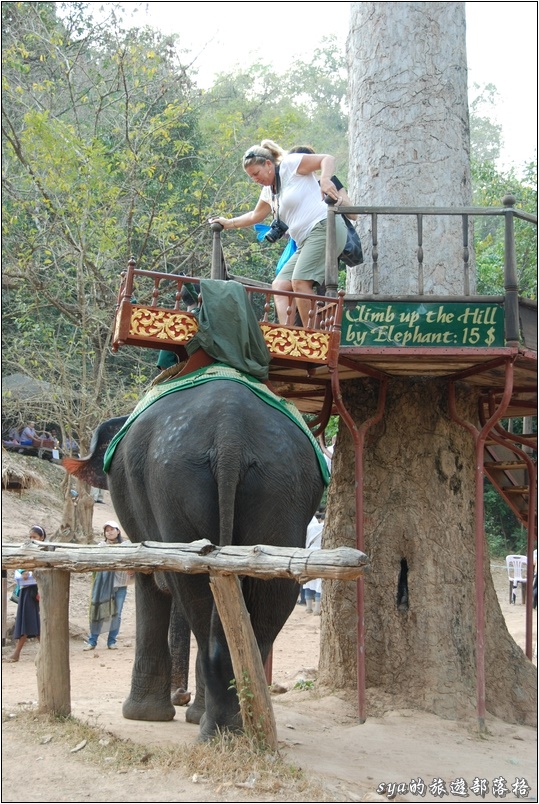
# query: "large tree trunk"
409,138
419,516
410,146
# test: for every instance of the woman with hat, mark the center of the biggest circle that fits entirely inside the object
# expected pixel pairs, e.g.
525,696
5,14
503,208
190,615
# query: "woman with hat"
109,590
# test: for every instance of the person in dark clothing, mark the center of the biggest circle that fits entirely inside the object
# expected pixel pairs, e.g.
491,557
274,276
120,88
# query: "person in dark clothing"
27,622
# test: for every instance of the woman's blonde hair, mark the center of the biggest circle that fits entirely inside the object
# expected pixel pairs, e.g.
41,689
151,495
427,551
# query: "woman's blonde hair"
267,149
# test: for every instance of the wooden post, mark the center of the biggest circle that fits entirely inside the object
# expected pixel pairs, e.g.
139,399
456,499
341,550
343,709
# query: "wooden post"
251,684
217,259
53,678
4,607
332,258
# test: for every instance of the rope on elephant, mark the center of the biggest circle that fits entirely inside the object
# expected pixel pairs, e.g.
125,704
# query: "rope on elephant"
218,371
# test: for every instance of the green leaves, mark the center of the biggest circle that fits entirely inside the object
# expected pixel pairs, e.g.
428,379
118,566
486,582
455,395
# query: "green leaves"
490,187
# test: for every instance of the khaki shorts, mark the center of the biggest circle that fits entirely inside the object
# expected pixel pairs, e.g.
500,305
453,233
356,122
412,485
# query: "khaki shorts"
309,261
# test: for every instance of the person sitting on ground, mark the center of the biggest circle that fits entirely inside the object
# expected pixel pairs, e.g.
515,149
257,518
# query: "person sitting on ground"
292,193
27,622
13,438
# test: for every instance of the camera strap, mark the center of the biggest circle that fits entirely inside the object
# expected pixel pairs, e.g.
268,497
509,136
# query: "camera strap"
275,195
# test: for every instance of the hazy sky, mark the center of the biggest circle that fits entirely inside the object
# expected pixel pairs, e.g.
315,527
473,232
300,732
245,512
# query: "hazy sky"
501,43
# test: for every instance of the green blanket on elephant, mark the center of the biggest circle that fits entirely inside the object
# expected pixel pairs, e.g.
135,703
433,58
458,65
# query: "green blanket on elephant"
218,371
228,329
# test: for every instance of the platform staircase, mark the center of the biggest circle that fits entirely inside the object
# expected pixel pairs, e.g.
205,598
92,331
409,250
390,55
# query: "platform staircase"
510,474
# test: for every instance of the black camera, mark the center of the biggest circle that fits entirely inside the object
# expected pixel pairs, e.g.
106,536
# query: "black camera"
276,231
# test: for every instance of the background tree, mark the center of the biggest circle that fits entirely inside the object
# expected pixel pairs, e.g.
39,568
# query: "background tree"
109,149
409,136
98,142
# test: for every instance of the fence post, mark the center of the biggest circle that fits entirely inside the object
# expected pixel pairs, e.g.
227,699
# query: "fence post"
53,676
4,607
249,675
512,329
332,261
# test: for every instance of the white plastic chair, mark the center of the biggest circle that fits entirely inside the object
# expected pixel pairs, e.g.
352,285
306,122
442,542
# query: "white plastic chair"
517,567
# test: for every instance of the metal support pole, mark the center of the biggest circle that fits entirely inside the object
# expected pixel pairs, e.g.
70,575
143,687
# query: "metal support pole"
358,436
479,441
332,261
217,261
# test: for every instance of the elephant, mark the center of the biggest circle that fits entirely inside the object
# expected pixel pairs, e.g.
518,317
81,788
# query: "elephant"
215,462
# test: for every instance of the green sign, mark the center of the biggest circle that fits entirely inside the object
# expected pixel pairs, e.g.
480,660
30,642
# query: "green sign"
425,324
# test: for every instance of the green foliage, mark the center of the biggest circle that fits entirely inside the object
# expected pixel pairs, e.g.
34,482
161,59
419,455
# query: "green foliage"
504,533
304,685
485,135
490,187
99,148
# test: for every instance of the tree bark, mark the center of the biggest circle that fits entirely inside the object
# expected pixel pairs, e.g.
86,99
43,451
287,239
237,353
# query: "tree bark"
409,139
84,512
419,509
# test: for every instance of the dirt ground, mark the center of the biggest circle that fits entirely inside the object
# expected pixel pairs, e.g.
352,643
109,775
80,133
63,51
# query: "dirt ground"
317,733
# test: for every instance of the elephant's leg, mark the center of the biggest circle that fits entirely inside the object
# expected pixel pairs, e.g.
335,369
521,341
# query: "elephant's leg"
196,600
270,604
196,709
179,640
222,705
149,698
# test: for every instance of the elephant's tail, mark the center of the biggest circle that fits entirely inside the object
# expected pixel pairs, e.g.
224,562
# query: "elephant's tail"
228,479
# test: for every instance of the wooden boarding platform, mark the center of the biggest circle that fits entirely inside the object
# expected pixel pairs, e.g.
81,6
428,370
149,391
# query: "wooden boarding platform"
352,338
304,358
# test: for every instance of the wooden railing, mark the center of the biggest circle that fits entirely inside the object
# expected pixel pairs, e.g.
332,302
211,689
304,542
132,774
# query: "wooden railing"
508,212
149,314
55,562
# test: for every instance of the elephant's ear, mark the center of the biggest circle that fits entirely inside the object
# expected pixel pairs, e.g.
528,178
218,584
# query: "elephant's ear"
90,468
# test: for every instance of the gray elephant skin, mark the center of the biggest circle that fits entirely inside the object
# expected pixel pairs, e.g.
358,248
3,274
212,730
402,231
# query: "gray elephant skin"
210,462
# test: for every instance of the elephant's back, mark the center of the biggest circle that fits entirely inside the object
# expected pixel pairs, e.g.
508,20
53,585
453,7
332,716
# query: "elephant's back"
215,458
219,413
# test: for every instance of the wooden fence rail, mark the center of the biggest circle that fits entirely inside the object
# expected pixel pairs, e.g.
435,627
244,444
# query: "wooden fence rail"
55,562
259,561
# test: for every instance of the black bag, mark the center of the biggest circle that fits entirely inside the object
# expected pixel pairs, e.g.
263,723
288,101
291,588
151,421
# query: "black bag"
352,253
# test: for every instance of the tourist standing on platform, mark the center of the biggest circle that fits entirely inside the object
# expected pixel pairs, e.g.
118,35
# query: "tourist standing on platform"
295,197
